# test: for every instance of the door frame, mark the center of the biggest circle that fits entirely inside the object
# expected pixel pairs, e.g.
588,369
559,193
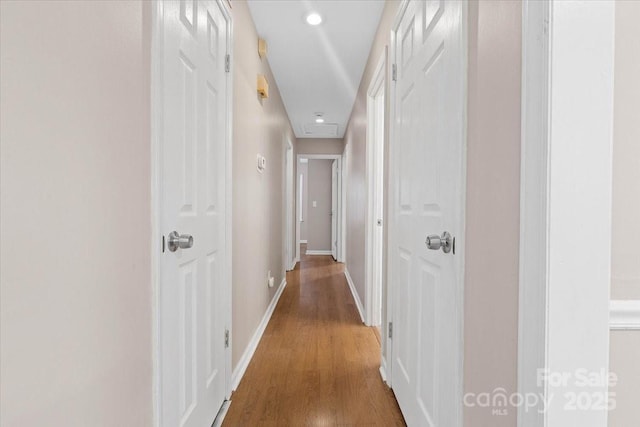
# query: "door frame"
373,297
341,205
565,201
289,190
157,122
336,218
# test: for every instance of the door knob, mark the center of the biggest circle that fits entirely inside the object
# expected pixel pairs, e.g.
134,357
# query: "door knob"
182,241
436,242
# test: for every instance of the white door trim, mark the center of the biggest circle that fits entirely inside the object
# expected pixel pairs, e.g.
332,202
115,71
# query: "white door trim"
339,222
157,121
299,190
567,122
289,253
378,83
335,204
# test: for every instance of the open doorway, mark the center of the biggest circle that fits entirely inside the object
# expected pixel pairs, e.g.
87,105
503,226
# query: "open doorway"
318,205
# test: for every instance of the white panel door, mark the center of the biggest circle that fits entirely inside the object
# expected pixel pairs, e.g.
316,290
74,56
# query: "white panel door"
334,209
428,199
193,141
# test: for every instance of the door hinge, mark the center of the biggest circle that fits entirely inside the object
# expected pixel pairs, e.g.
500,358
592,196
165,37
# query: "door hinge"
163,243
390,334
227,63
226,338
394,72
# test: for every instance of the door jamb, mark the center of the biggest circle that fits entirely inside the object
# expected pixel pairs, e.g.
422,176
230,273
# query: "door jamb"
565,201
299,190
377,84
339,223
157,121
343,206
289,252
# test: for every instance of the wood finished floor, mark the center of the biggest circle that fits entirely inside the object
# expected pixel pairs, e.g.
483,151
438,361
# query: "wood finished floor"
317,364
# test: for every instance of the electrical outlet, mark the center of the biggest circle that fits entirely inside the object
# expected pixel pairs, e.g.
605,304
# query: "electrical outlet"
262,163
270,279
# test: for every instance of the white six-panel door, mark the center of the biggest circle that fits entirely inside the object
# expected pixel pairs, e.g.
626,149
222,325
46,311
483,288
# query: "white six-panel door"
193,45
427,170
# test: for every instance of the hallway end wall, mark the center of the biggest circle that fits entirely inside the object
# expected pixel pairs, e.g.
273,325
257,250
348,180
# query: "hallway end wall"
311,146
75,254
260,126
318,218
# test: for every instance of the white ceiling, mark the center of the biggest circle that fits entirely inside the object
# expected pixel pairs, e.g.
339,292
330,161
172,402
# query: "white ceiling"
317,68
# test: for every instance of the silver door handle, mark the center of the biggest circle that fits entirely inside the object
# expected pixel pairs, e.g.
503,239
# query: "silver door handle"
436,242
182,241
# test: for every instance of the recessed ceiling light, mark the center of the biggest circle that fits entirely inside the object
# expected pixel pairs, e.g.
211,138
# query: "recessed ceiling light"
314,19
319,120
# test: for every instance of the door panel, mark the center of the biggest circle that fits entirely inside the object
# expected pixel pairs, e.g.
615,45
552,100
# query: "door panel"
192,192
427,164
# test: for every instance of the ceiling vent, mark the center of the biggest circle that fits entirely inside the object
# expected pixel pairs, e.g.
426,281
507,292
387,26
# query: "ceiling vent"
321,130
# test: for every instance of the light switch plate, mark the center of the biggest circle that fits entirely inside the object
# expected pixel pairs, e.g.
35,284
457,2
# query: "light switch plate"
315,204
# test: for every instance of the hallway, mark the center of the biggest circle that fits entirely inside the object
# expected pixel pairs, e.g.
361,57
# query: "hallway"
317,364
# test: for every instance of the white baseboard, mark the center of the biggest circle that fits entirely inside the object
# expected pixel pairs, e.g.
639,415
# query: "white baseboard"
310,252
383,374
624,315
243,363
293,264
354,293
221,414
303,241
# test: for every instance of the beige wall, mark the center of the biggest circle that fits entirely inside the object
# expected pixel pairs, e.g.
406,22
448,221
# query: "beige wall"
318,218
75,280
259,126
625,251
624,354
493,205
